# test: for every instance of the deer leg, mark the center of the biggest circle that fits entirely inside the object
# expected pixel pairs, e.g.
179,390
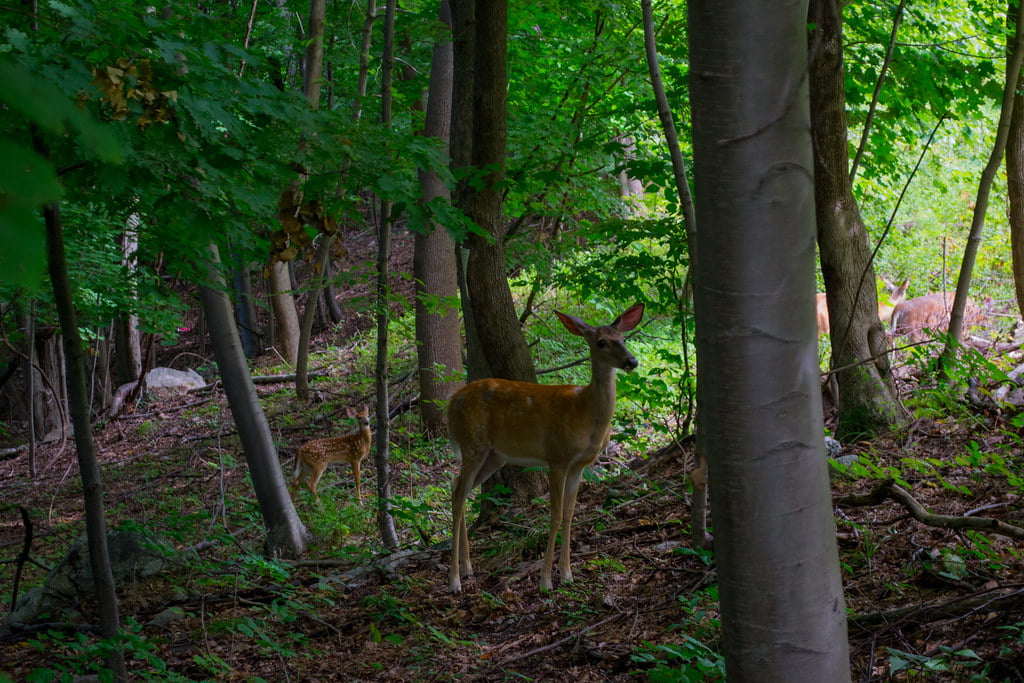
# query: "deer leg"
461,488
461,565
312,482
698,476
556,481
355,473
572,485
296,481
492,463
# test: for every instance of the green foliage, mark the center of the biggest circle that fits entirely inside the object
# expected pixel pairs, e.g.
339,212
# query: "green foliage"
965,664
690,659
643,260
28,178
80,655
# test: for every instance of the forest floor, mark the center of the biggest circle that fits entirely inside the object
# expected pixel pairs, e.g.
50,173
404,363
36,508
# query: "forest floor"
925,602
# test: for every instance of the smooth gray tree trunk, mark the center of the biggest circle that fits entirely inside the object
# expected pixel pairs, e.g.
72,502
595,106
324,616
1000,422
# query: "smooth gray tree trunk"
286,535
783,617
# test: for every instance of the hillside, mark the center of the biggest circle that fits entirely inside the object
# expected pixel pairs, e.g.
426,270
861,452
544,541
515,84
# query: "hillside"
949,602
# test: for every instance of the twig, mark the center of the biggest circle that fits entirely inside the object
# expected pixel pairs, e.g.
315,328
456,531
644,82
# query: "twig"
562,641
26,547
947,609
889,490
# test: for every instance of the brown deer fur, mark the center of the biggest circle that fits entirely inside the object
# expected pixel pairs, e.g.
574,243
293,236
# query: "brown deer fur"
314,456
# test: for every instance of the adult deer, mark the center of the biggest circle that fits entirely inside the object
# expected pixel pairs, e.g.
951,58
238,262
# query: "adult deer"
931,312
885,308
495,421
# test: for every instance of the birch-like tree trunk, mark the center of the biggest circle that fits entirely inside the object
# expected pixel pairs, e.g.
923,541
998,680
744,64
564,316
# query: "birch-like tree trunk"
286,535
757,376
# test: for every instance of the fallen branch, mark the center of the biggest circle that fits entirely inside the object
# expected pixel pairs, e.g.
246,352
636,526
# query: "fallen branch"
9,453
889,490
281,379
562,641
955,608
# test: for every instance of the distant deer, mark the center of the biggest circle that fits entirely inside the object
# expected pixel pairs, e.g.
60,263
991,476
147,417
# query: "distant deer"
930,312
495,421
885,308
314,456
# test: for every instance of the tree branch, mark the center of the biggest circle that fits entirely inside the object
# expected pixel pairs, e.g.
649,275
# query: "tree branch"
889,490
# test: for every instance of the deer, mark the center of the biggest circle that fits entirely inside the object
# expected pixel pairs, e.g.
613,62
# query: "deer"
885,308
493,422
314,456
930,312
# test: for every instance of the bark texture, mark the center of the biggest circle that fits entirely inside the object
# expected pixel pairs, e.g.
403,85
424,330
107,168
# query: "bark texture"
867,400
286,535
439,340
760,401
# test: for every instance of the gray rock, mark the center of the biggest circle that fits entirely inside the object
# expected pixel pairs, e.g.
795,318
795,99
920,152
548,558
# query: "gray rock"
134,555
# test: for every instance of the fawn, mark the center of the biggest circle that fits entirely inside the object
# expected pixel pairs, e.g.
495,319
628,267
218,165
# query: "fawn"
314,456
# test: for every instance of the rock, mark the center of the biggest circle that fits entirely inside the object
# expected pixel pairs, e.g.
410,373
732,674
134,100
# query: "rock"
134,555
833,451
169,378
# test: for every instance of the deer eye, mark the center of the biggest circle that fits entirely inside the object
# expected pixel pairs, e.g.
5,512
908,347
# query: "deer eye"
601,343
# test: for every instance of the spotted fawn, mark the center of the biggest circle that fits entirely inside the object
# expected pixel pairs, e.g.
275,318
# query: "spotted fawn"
314,456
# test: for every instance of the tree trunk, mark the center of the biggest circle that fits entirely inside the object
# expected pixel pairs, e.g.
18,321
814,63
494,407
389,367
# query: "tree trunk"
461,149
287,317
486,272
286,535
760,401
31,384
245,309
1015,185
323,255
51,407
698,475
495,327
314,63
385,520
92,479
127,346
963,283
439,347
334,312
867,401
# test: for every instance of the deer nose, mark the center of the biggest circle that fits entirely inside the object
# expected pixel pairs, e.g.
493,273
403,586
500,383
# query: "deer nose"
630,364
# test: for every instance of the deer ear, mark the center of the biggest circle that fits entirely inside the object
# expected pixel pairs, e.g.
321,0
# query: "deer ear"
629,319
572,323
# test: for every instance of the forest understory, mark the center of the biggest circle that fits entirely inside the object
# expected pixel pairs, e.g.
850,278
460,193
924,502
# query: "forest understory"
359,615
924,602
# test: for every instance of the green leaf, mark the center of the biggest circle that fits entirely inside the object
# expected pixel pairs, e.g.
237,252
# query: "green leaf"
27,182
